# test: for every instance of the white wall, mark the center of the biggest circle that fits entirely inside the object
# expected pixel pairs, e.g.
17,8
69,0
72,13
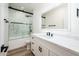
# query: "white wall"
73,18
3,25
36,21
56,17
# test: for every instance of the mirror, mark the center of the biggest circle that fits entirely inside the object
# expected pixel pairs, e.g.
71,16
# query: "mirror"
56,18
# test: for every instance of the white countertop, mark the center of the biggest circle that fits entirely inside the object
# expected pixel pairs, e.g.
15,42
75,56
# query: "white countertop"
68,42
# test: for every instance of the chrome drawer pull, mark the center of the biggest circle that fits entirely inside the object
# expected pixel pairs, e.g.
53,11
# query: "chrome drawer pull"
40,49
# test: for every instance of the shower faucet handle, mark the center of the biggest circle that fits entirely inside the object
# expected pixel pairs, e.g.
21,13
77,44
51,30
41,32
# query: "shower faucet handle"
6,21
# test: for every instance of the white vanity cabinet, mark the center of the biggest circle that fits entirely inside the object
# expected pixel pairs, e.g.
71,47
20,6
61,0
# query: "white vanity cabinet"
38,48
41,47
51,53
34,47
56,50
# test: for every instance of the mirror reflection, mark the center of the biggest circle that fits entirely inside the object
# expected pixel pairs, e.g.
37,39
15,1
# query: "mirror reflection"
56,18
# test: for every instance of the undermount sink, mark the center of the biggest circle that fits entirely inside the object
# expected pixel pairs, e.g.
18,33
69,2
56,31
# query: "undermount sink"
48,37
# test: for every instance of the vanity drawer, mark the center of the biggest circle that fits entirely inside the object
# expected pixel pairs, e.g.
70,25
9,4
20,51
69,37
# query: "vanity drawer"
34,48
42,50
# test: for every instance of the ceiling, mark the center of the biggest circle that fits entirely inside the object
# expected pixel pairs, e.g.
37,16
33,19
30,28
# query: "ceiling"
31,6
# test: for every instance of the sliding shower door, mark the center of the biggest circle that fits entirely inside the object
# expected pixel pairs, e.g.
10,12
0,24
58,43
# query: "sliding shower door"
19,30
19,25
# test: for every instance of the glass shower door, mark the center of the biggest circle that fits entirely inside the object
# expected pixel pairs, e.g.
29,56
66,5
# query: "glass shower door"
19,30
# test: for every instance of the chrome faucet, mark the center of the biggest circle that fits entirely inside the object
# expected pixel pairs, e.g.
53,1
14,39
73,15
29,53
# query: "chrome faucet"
49,34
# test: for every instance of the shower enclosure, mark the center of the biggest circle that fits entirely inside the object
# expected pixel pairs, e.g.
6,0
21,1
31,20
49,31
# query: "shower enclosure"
20,24
14,25
19,28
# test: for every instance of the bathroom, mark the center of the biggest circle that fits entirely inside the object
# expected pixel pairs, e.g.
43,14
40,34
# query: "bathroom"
39,29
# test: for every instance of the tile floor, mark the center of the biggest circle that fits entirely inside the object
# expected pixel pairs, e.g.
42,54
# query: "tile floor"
20,52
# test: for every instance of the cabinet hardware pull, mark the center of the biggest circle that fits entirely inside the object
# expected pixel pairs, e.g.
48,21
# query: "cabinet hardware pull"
40,49
32,42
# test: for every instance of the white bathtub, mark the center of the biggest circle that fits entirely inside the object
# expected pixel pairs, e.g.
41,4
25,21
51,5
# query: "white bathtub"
16,43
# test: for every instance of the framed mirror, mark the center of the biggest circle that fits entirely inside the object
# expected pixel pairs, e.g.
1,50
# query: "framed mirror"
56,18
